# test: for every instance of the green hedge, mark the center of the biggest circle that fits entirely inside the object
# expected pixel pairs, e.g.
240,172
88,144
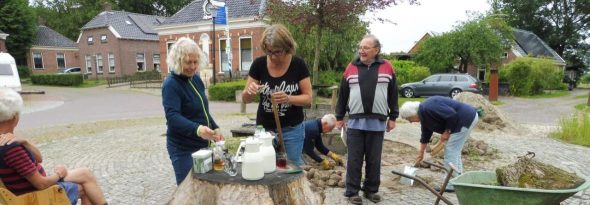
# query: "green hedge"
409,71
226,91
58,79
531,76
23,71
329,77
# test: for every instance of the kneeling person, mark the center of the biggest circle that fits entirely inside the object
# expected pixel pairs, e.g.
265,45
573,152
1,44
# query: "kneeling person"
313,138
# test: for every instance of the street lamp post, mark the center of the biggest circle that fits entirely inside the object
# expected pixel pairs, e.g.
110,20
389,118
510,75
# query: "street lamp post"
213,15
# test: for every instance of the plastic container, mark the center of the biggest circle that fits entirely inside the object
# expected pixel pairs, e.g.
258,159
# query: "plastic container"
202,161
480,188
268,153
252,162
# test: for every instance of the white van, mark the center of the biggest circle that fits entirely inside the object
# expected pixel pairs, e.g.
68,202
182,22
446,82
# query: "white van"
8,73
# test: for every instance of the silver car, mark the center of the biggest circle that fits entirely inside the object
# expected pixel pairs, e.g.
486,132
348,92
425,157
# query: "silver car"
441,84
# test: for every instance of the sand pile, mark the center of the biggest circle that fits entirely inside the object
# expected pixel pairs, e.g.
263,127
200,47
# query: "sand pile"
493,119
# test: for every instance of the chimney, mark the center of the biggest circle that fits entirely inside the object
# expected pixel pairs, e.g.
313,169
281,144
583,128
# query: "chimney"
107,6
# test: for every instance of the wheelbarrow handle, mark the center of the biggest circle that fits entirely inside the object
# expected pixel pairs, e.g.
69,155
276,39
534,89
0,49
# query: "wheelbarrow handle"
424,184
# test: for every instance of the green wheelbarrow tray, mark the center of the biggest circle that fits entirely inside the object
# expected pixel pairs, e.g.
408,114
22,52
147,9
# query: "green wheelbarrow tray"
480,188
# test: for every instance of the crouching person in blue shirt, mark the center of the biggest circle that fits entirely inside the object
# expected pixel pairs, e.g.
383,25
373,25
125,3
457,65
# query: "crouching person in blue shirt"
454,120
313,138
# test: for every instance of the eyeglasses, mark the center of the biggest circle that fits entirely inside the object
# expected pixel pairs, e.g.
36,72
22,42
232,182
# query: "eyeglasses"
364,48
274,53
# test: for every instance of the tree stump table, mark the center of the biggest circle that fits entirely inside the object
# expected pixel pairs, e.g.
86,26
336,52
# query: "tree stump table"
217,187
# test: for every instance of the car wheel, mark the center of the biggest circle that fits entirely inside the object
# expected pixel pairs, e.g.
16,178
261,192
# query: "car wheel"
408,92
455,92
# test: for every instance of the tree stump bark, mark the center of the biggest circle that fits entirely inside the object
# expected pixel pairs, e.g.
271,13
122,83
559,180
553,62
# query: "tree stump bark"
216,187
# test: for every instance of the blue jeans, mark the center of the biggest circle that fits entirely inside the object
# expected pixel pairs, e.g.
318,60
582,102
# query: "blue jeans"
454,147
182,162
293,138
71,190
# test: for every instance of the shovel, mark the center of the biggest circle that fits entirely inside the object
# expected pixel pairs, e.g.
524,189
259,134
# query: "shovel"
275,111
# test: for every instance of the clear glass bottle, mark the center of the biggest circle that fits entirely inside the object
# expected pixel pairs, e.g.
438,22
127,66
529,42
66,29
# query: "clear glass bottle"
218,156
259,130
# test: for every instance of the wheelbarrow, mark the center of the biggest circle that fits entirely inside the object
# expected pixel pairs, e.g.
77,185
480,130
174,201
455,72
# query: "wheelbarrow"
439,195
482,188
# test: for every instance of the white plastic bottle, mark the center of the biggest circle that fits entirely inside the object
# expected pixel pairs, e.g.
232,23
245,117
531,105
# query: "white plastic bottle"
268,153
252,162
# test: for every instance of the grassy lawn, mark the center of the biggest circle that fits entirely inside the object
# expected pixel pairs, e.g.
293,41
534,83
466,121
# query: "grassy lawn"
584,85
585,96
549,94
575,129
92,83
497,103
583,107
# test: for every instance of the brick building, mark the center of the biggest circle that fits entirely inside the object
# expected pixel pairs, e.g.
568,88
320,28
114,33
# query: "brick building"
245,33
52,52
3,42
119,43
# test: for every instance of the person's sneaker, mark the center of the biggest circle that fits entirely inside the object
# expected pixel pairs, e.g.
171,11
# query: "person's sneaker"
437,188
355,199
374,197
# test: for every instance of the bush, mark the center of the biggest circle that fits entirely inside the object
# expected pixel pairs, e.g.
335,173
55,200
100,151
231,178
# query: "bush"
148,75
226,91
58,79
585,78
409,71
329,78
23,71
531,76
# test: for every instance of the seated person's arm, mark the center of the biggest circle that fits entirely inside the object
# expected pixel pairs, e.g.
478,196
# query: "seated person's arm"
42,182
33,149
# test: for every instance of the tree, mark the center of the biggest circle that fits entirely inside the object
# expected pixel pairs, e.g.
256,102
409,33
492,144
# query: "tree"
321,16
153,7
479,42
563,24
18,20
68,16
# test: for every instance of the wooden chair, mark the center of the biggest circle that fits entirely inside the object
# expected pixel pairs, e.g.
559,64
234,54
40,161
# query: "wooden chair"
54,195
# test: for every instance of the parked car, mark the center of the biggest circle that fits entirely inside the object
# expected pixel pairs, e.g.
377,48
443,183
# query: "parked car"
8,73
441,84
71,70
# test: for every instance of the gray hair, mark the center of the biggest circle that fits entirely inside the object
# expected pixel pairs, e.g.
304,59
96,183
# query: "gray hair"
11,103
376,42
178,52
330,119
409,109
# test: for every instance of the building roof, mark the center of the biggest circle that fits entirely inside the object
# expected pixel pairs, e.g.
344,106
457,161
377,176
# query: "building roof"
127,25
532,45
50,38
193,12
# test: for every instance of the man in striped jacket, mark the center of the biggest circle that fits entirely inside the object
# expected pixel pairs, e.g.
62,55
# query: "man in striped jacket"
368,92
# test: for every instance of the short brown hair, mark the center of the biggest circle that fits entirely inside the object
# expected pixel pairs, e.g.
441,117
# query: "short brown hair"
277,36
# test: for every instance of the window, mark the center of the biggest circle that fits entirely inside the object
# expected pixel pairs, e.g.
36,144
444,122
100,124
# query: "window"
204,41
168,46
432,79
103,38
99,63
446,78
223,59
38,60
505,55
157,62
111,63
61,61
461,79
5,69
88,64
90,40
245,53
140,59
481,74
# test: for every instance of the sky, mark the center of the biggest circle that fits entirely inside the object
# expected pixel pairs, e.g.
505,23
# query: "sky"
413,21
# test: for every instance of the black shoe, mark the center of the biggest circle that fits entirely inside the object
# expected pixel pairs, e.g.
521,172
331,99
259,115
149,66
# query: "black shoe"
374,197
437,189
355,200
